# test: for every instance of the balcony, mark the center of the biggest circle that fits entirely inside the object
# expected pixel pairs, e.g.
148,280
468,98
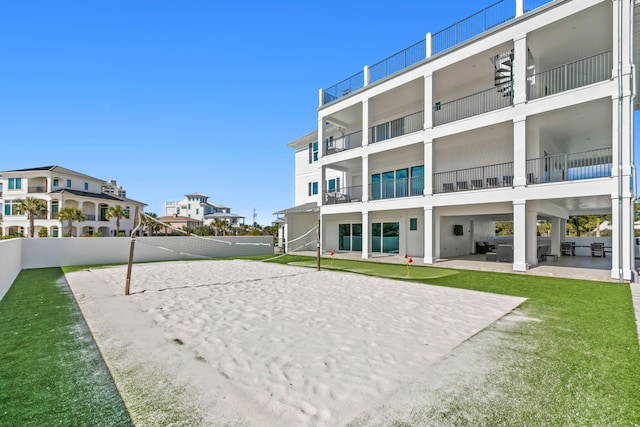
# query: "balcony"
342,143
569,76
346,195
398,127
478,178
89,217
471,105
397,188
37,190
570,166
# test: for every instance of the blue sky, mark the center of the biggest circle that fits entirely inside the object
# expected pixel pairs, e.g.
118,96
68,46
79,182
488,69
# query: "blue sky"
172,97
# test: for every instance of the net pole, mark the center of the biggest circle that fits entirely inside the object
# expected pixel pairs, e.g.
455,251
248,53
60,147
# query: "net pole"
127,286
318,249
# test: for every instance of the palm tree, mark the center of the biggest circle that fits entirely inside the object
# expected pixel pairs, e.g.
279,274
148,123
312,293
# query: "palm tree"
220,225
117,212
149,224
32,207
70,214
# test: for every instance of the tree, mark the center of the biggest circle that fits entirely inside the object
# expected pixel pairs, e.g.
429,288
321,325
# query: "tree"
152,227
220,225
70,215
117,212
32,207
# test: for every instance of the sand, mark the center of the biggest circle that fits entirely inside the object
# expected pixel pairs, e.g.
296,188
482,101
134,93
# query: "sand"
257,344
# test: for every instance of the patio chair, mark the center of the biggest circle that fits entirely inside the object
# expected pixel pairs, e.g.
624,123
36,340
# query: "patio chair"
505,253
567,248
597,249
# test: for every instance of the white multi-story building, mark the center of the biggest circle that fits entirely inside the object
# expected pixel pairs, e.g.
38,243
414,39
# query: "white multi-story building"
198,206
522,112
61,188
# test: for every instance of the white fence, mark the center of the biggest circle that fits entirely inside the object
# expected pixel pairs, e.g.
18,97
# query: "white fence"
16,254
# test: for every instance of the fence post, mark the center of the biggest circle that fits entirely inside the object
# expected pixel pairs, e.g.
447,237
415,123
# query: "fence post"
429,45
519,8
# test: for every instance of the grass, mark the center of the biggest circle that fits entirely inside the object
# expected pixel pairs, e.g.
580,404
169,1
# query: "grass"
51,372
577,365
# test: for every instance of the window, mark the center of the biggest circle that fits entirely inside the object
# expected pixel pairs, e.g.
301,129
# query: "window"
68,183
333,185
18,183
10,207
189,207
86,186
313,152
417,180
12,183
177,211
313,188
127,211
54,208
56,182
402,182
413,224
197,211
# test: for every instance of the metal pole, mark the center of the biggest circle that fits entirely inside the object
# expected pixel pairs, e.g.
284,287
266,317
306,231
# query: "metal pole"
127,286
318,249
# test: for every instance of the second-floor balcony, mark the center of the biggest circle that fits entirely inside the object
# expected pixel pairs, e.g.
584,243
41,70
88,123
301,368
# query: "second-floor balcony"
37,190
572,75
477,178
398,127
491,99
344,195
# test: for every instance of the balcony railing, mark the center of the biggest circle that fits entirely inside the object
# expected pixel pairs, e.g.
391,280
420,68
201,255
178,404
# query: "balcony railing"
396,188
345,195
343,88
398,127
482,102
570,166
346,142
37,190
89,217
478,178
399,61
569,76
475,24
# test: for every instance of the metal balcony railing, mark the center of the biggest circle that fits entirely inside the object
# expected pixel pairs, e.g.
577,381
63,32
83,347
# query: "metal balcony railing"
396,188
346,142
345,195
570,166
478,178
398,127
399,61
37,190
471,105
473,25
529,5
343,88
89,217
569,76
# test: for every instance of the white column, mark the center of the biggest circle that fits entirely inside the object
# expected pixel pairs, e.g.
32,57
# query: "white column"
286,237
320,97
429,45
520,69
365,122
320,137
429,257
519,152
365,235
519,8
519,235
531,233
365,178
428,101
428,168
367,75
615,236
557,234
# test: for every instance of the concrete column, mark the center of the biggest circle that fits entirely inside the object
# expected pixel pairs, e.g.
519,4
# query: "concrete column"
323,184
428,101
320,97
557,234
519,235
519,152
429,257
428,168
520,69
365,178
365,122
321,146
365,235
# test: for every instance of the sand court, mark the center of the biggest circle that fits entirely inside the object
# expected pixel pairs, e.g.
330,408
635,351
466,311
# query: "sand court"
253,343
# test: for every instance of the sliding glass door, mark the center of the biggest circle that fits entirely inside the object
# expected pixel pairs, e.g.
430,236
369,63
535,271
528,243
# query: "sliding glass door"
385,237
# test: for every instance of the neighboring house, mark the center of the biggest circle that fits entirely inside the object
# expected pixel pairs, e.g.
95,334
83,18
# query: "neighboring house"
521,112
198,206
179,222
61,188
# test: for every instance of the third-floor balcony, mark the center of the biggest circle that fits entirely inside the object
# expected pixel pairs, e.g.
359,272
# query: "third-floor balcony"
572,75
398,127
471,105
341,143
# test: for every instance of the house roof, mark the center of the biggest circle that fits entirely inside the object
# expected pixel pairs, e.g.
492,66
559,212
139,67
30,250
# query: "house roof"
197,194
104,196
171,218
222,215
58,169
306,208
304,141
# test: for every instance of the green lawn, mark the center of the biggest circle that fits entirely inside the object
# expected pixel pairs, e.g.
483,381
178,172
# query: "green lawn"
577,364
51,372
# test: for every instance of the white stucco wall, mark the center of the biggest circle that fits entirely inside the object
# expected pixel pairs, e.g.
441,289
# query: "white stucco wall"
10,263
